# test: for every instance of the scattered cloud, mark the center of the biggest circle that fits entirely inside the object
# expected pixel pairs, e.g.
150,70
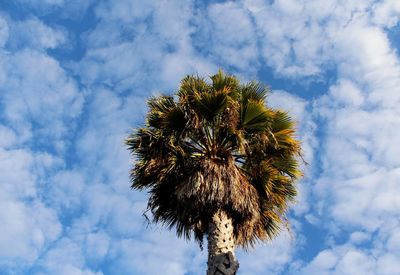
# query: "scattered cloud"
225,33
64,169
34,34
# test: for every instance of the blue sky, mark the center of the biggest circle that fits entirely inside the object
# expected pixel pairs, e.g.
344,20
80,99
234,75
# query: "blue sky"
74,78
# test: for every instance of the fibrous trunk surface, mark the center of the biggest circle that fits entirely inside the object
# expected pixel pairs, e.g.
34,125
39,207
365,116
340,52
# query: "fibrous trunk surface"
221,246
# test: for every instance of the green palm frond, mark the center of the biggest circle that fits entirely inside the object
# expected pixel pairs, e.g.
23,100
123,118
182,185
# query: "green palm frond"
271,221
254,91
175,120
223,83
281,121
192,86
211,104
159,108
287,166
282,192
254,116
284,139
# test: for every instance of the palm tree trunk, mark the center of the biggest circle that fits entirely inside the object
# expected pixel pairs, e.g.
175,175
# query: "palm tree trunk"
221,246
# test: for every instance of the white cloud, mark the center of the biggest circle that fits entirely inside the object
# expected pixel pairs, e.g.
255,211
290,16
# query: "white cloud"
354,199
275,255
100,144
65,257
65,9
291,43
173,256
65,190
39,103
36,90
347,259
7,137
359,237
15,167
324,261
300,38
386,13
393,243
26,229
125,10
354,261
388,264
359,178
228,34
97,246
28,225
365,55
142,46
103,208
183,63
124,66
33,33
346,93
4,31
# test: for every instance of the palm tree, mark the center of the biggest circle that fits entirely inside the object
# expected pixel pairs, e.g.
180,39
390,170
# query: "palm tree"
217,162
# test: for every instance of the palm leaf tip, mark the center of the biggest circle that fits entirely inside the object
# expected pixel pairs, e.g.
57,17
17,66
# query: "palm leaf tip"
254,91
223,82
282,121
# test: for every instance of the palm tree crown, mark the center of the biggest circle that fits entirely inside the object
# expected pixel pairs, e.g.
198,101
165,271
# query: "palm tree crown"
216,145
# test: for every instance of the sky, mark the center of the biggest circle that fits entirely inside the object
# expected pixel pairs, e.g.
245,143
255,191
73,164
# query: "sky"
74,79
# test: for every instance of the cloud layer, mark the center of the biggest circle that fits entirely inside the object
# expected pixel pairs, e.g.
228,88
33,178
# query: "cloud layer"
74,78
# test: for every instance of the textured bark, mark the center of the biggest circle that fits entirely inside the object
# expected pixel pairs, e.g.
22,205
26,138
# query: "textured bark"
221,246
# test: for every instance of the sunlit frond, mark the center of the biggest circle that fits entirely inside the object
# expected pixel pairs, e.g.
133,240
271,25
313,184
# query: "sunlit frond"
281,121
254,116
223,83
254,91
209,105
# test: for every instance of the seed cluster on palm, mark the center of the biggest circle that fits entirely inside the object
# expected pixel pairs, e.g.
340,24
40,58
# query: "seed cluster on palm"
215,146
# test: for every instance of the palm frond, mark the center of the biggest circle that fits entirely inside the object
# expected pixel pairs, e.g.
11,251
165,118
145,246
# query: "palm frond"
192,85
287,166
281,121
254,91
223,83
175,120
159,107
254,116
210,105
